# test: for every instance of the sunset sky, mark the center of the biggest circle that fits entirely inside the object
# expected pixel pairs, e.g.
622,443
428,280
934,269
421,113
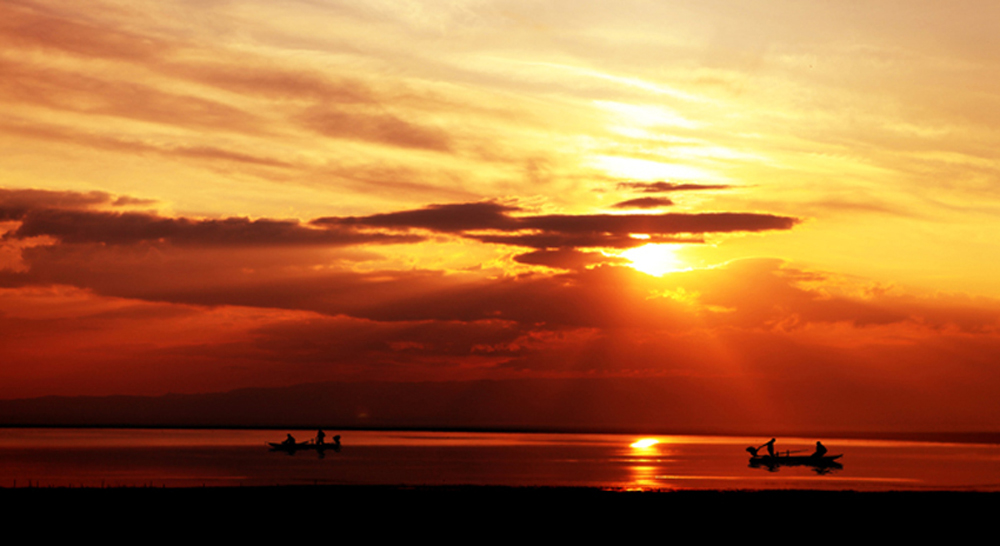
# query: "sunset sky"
800,199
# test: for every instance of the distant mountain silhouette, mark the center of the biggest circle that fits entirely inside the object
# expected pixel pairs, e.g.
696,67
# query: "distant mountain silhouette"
524,404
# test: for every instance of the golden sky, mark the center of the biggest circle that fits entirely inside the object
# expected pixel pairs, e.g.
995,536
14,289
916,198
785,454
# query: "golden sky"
796,197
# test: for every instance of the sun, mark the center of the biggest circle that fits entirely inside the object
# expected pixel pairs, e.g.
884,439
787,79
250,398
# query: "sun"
654,259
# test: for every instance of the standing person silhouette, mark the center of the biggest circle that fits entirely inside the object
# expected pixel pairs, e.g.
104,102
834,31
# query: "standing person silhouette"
320,437
770,447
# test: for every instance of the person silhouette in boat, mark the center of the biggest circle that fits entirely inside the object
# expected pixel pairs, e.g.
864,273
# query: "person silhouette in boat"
753,451
289,440
320,437
820,450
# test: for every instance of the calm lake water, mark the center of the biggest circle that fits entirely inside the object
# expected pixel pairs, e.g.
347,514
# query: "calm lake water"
180,458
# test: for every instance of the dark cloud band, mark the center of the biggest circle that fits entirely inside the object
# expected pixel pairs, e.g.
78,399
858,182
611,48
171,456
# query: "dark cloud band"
561,230
75,218
664,187
79,218
644,203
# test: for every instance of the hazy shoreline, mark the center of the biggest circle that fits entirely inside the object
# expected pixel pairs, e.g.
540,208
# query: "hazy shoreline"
985,437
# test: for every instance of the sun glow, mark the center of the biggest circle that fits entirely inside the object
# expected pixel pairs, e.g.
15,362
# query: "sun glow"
644,169
654,259
644,443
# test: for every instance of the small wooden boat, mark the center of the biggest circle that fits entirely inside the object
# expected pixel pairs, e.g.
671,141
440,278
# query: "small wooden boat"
310,445
826,461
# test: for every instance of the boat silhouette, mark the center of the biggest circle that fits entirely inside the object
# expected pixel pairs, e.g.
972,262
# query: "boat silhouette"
826,461
309,445
773,461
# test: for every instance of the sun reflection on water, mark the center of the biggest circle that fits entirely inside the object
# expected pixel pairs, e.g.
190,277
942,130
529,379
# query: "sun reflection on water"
644,462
